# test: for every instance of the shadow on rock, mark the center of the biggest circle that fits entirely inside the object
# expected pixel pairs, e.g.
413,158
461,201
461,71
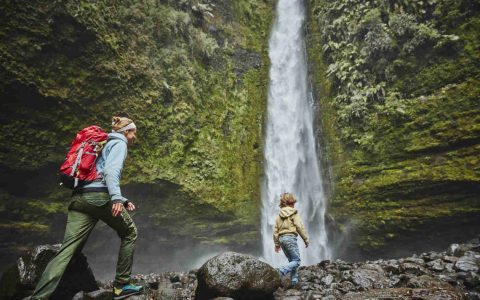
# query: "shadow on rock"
19,280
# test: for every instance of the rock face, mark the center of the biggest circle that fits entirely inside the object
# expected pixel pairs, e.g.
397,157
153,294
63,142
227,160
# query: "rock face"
20,280
238,276
200,104
403,174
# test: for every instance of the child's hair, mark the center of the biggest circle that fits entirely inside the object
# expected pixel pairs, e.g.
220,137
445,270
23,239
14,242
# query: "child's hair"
120,122
287,199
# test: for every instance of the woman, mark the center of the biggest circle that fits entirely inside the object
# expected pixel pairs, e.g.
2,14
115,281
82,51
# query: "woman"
99,200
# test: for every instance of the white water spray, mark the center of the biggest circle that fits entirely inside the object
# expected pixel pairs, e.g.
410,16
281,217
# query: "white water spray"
291,163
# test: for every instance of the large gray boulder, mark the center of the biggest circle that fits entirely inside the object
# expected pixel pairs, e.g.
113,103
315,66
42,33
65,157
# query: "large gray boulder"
19,280
237,276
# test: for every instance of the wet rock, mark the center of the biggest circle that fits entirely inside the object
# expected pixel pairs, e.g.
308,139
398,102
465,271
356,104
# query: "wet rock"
458,250
461,275
79,296
369,276
324,263
19,281
426,281
177,285
392,267
449,267
346,286
430,256
101,294
436,265
145,297
313,296
450,259
466,264
446,278
238,276
405,294
175,278
472,296
394,281
412,268
415,260
169,294
472,281
307,275
327,280
332,292
290,294
168,290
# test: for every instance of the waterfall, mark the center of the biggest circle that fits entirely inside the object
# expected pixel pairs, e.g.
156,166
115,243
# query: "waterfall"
291,161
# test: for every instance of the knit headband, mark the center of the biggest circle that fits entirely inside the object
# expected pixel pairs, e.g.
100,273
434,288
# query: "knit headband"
125,128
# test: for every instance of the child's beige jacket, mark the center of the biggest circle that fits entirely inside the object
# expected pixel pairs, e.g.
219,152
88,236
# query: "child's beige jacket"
288,221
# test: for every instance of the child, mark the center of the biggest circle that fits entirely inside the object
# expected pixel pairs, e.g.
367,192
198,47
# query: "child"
287,226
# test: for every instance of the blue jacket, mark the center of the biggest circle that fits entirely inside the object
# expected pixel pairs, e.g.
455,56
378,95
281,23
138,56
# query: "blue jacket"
110,165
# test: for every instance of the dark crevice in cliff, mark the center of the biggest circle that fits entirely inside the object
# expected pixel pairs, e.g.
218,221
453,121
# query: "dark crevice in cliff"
430,235
451,146
404,191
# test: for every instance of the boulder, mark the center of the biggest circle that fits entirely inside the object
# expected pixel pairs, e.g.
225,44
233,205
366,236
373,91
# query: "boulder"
412,268
369,276
19,281
466,264
237,276
458,249
436,265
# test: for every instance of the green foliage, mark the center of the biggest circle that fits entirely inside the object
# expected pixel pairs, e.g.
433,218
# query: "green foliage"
169,65
401,117
402,26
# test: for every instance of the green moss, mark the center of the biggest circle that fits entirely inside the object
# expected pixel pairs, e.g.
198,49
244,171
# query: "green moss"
173,69
411,157
25,226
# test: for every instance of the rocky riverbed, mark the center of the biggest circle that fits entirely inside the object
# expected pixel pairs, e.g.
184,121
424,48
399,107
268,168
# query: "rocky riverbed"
451,274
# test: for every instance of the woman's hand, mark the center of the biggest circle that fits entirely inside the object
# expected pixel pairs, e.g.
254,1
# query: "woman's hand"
277,249
130,206
117,208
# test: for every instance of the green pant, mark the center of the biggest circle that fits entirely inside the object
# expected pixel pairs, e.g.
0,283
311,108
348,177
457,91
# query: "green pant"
83,214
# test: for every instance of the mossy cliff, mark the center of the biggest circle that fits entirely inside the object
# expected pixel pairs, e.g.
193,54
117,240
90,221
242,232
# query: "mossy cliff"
192,75
398,87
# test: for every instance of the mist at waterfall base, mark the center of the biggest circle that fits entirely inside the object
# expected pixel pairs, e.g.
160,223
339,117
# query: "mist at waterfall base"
153,253
290,154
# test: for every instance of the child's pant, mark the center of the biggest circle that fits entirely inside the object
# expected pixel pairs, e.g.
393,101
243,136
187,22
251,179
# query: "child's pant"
82,218
289,245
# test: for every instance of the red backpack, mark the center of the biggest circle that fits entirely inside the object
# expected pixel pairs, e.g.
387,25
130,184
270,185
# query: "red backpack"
80,166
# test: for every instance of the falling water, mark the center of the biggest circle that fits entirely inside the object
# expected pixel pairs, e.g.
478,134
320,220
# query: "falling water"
291,162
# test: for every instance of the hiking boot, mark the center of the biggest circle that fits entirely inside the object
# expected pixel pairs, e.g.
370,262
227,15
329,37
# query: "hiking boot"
126,291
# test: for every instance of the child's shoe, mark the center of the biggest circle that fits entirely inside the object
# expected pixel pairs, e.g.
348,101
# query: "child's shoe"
126,291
